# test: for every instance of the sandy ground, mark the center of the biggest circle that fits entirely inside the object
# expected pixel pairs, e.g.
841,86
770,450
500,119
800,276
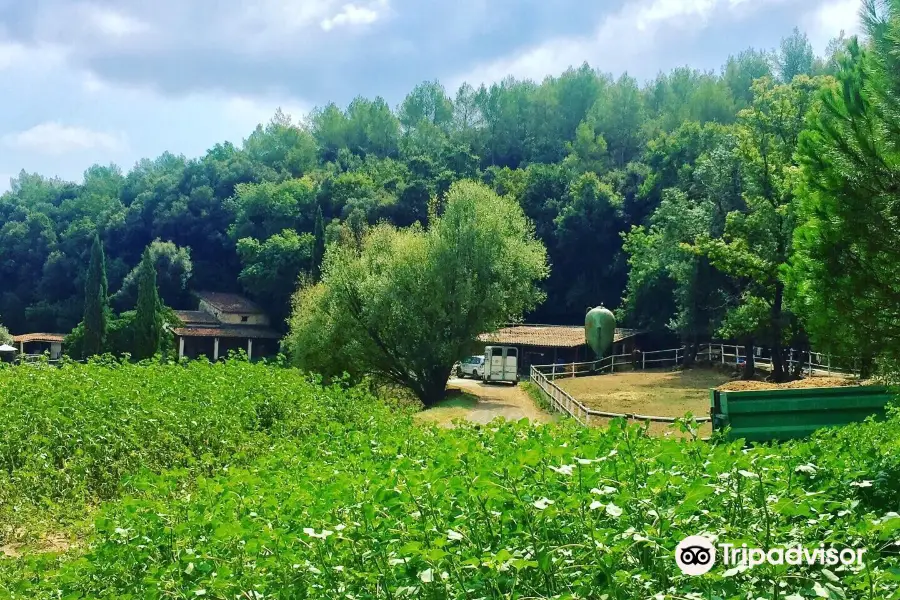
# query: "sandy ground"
809,382
481,403
659,393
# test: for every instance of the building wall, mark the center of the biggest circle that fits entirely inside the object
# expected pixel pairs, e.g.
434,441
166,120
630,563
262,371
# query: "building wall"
234,318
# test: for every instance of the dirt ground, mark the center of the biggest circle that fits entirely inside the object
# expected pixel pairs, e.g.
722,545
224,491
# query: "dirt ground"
478,402
809,382
658,393
668,393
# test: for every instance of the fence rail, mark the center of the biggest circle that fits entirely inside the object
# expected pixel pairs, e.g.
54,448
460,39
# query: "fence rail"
544,376
563,402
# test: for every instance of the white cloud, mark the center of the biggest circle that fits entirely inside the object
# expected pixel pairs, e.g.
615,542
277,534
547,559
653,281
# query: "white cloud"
14,55
351,14
621,41
829,19
114,23
55,139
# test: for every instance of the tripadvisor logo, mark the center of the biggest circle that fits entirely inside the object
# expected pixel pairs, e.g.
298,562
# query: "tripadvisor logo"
696,555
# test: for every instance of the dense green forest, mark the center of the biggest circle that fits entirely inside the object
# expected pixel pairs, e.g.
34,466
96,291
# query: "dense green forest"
642,192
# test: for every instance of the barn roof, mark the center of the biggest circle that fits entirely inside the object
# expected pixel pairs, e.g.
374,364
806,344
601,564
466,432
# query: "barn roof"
550,336
230,303
39,337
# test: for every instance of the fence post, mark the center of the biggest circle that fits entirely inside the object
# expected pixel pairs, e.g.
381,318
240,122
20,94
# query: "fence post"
829,363
612,364
722,351
553,373
643,360
676,356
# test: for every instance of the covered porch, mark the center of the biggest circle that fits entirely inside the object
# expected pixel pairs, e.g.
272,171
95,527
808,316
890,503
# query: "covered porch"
218,342
36,344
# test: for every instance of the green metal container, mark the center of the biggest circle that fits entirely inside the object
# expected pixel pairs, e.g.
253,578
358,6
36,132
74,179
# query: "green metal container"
772,415
599,330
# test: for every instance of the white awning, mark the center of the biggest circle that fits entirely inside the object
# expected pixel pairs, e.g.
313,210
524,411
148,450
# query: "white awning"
7,348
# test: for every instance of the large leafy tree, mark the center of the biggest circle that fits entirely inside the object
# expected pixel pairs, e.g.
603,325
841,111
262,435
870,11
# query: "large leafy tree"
173,275
843,275
408,303
148,319
795,57
96,308
756,243
272,268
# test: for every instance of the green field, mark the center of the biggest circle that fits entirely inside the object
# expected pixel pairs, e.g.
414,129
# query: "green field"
241,481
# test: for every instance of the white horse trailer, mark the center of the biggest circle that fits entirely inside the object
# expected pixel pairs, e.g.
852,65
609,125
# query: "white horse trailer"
501,364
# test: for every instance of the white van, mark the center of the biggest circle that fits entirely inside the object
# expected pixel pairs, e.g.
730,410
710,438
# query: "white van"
501,364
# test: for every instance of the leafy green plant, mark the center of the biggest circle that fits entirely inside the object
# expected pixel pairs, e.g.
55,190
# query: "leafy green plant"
248,481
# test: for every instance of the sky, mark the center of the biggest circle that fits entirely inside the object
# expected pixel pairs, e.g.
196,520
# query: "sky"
114,81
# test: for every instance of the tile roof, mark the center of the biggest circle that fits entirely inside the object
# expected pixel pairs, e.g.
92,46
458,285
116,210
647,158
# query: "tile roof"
230,303
552,336
189,317
228,331
39,337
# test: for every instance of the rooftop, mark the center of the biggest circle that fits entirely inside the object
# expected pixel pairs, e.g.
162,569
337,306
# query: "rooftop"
228,331
196,317
553,336
26,338
229,303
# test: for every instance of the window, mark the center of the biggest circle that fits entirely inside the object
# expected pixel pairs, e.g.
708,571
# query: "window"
244,318
511,353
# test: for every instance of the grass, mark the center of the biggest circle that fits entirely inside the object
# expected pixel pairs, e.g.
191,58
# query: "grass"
457,405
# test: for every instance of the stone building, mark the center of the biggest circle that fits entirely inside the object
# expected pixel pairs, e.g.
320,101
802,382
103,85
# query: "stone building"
225,322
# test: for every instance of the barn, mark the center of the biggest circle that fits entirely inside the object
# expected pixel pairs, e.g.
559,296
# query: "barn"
554,344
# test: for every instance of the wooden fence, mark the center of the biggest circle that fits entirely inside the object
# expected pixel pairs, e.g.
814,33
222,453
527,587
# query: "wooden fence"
544,376
562,401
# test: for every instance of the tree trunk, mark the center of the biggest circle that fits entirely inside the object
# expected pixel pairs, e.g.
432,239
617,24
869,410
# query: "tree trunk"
690,352
433,387
750,363
866,365
778,373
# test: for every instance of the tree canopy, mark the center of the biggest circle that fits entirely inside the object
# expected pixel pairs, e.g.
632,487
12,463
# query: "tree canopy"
672,199
406,304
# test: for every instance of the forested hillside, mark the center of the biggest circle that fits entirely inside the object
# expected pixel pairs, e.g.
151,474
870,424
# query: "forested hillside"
694,167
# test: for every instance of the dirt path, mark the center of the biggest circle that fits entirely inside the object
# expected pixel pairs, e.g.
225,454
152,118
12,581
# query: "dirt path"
499,400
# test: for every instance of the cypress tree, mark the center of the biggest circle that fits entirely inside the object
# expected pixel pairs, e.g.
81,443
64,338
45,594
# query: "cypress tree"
148,322
318,252
95,301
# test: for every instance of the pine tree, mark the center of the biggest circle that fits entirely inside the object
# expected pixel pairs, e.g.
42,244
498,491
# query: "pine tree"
847,248
95,301
318,252
148,322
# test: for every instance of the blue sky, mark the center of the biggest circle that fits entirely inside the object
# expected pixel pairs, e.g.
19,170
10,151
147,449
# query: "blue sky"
100,81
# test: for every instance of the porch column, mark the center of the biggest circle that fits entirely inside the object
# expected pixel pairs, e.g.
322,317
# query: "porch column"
216,350
249,348
21,347
180,347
